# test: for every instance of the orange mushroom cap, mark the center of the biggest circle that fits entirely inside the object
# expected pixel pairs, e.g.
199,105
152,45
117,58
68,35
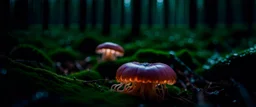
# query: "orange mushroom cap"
146,73
110,46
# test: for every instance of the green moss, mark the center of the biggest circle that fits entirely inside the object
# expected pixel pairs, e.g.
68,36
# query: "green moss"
35,39
93,60
22,81
64,54
152,56
86,75
88,44
173,89
188,58
131,49
202,56
107,99
199,71
30,53
238,66
108,69
31,39
36,78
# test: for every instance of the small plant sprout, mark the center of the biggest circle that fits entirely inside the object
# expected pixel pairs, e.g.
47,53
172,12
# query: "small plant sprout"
147,80
109,51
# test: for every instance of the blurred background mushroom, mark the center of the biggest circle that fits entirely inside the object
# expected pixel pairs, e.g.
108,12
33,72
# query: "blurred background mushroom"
109,51
147,80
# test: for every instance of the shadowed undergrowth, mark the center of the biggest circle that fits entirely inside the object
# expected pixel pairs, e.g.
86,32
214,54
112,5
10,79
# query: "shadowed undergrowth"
21,81
187,52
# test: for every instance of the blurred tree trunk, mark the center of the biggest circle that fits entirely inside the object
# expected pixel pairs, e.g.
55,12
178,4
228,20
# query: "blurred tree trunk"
74,13
180,12
56,12
66,14
82,13
122,18
150,12
94,13
114,18
248,12
136,14
166,13
5,11
106,17
31,13
192,14
45,14
221,12
229,11
175,12
211,13
172,5
35,12
21,14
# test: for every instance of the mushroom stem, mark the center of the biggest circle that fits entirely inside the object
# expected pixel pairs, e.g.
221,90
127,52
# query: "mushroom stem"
149,91
108,57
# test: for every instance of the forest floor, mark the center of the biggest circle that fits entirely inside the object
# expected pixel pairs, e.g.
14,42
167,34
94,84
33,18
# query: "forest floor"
213,67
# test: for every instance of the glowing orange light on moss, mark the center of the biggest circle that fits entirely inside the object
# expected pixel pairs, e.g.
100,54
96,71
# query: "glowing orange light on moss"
147,80
109,51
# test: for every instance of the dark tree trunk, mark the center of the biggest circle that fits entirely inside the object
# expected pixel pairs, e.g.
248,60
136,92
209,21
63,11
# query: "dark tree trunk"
5,20
94,14
150,13
122,14
82,13
66,14
107,17
21,14
211,13
229,10
136,15
175,13
166,13
192,14
45,14
248,11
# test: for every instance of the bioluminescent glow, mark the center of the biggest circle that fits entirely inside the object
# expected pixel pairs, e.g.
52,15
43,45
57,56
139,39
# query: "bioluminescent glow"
127,3
159,3
200,4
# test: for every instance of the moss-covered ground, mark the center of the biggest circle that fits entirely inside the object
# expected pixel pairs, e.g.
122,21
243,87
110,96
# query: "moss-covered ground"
29,73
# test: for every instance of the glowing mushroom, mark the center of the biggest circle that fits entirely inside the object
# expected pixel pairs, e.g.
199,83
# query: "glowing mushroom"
109,51
147,80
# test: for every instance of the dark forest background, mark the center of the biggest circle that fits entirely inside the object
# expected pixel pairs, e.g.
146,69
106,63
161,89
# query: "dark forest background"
86,14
